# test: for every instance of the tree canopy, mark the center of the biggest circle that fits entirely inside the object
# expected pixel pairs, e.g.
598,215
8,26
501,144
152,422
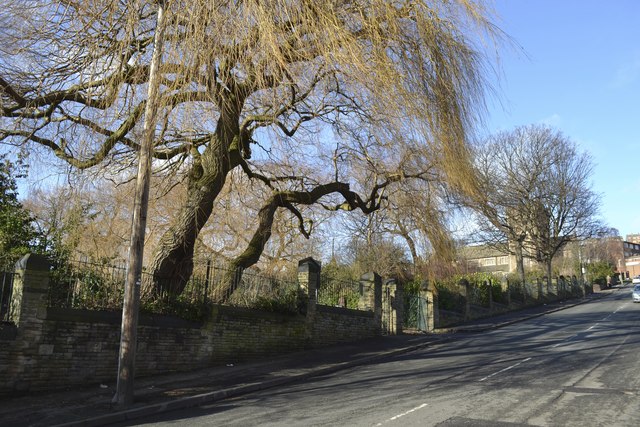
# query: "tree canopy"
537,193
296,94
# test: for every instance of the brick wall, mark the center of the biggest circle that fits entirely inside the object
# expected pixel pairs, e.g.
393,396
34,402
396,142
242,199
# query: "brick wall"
46,348
334,325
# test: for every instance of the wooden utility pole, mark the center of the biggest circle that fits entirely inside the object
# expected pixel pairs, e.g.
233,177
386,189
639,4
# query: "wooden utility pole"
130,307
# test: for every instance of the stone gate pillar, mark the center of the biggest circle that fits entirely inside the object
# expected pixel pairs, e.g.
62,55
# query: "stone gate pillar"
504,283
29,300
309,282
309,278
393,307
30,290
541,292
489,285
433,311
466,292
371,295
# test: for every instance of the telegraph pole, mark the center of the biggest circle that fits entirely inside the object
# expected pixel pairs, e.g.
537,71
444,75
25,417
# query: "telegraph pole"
130,307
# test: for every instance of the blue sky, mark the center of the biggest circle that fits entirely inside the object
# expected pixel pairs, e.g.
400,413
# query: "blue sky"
576,67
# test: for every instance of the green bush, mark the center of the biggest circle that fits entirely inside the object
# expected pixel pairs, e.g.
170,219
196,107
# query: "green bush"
449,297
598,271
290,302
182,307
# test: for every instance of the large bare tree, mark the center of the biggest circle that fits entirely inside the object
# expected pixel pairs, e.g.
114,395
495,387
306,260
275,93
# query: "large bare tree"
564,206
536,194
510,166
253,84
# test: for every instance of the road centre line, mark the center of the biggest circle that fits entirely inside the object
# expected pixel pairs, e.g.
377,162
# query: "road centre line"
576,335
505,369
589,328
622,307
402,415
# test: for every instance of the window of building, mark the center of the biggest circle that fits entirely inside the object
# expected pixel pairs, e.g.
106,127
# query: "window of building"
503,260
485,262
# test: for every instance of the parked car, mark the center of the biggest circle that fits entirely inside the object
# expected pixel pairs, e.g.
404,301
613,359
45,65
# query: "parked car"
635,279
636,293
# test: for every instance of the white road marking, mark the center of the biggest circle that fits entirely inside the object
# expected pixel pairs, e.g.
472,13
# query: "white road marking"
505,369
555,345
589,328
622,307
402,415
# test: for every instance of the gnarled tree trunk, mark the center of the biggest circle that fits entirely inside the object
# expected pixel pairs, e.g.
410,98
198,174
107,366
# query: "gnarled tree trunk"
286,199
173,259
250,255
519,260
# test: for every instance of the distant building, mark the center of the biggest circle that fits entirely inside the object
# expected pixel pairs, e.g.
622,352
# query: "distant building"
633,238
630,262
624,255
488,259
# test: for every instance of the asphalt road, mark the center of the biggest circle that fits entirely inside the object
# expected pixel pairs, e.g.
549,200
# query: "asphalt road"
574,367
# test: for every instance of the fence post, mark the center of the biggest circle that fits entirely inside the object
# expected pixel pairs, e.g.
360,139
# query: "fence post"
433,311
206,282
465,287
399,308
549,285
505,288
309,281
541,292
579,287
562,284
490,286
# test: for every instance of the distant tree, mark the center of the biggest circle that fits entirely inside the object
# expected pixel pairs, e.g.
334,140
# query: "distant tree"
18,236
563,207
509,167
605,247
535,194
599,270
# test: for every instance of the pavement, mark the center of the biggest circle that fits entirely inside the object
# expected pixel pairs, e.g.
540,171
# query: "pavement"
91,406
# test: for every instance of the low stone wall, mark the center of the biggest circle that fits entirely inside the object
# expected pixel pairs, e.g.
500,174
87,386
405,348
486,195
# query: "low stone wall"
334,325
47,348
81,347
241,334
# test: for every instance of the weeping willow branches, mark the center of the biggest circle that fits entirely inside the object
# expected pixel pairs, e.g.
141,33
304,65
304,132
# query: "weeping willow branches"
253,83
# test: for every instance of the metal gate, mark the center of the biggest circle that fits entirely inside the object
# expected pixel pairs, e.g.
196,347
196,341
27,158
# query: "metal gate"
416,313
